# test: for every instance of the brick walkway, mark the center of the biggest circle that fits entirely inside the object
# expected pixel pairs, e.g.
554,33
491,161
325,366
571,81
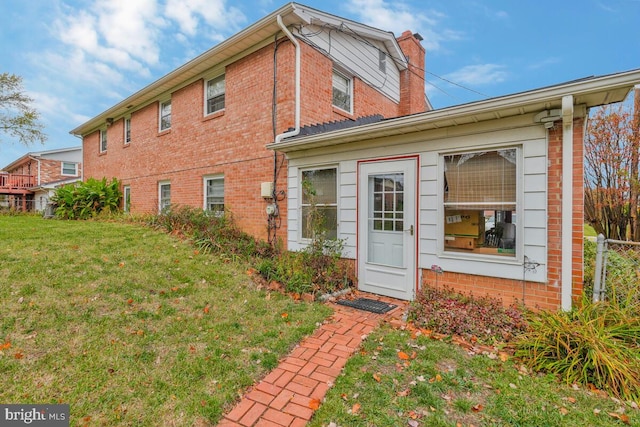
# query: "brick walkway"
284,397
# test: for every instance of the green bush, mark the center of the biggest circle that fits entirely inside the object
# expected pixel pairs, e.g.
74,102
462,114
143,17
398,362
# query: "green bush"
84,200
595,344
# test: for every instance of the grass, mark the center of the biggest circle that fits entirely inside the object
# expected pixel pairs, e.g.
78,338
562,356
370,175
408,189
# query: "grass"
131,326
439,384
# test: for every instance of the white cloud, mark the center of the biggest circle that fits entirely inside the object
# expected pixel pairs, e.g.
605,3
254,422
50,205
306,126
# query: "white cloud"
398,17
477,75
215,14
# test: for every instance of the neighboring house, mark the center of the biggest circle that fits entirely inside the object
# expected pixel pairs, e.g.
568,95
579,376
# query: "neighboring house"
28,183
413,197
198,135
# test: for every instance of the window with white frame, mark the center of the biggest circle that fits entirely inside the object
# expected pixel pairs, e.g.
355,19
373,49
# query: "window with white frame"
214,194
126,198
480,201
165,115
69,168
164,195
103,140
127,130
215,94
319,203
342,91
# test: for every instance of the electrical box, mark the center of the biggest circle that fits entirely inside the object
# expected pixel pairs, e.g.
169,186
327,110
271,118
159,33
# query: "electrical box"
272,210
266,190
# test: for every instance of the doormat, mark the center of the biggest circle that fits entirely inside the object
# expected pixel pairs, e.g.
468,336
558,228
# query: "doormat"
367,304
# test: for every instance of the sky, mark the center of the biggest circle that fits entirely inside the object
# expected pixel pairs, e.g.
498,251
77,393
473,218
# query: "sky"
78,58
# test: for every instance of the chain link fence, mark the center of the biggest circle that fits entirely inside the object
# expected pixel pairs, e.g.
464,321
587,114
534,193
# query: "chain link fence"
617,270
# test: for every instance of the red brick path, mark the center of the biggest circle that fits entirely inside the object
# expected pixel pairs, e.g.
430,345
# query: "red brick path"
283,397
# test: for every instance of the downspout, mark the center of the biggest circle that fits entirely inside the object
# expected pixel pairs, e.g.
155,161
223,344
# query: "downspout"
296,130
567,201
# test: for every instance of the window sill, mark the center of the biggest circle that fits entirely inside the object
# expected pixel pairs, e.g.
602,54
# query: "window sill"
126,144
213,115
102,153
343,113
164,132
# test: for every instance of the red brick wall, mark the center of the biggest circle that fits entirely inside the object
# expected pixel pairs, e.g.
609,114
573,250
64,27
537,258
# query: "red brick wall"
539,295
230,143
50,170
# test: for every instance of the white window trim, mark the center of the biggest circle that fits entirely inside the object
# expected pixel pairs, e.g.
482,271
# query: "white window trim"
103,137
350,80
160,104
519,255
126,204
305,240
204,188
126,120
75,165
206,100
160,185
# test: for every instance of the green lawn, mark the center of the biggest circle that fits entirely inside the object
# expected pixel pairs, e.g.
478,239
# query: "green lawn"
131,326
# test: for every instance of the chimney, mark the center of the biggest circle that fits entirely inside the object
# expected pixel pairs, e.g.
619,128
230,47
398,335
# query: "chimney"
412,87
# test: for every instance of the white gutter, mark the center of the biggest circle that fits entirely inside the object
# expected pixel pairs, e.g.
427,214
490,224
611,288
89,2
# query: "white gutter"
296,130
567,202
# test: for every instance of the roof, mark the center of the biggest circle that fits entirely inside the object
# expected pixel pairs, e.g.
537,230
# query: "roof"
590,92
241,44
39,154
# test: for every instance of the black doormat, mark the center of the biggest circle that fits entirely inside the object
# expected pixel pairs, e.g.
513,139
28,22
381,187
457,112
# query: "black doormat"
368,305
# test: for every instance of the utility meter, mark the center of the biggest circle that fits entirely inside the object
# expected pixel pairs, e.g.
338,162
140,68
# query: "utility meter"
272,209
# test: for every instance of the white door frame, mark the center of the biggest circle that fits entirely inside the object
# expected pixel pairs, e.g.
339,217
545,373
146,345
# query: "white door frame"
395,273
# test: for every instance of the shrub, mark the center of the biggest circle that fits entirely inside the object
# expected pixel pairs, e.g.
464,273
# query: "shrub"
452,313
595,344
87,199
210,231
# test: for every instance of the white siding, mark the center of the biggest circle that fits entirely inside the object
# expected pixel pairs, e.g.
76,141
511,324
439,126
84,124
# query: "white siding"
356,56
532,204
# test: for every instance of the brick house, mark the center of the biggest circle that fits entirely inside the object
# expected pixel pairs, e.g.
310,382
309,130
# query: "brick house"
485,197
198,135
28,183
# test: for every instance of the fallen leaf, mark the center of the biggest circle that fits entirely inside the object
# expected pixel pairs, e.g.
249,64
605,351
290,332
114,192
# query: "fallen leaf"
192,349
512,385
344,396
563,411
175,288
477,408
376,376
206,309
355,409
622,417
284,315
5,346
130,301
503,356
314,404
404,393
402,355
413,423
18,355
437,378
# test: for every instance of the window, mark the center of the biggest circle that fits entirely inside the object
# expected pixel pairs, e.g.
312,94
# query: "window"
164,195
388,201
480,202
165,115
319,205
103,140
341,91
214,194
215,94
126,198
69,168
382,61
127,130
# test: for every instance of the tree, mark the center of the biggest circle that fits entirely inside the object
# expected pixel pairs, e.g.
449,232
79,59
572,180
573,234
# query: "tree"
18,118
611,173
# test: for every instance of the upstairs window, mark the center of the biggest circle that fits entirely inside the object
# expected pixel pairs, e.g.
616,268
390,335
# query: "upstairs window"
127,130
214,194
69,169
103,140
215,94
480,202
165,115
342,90
319,205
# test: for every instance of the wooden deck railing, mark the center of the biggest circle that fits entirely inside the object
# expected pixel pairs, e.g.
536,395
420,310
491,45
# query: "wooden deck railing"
10,181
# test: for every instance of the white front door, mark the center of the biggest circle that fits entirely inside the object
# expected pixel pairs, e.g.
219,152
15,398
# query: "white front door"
387,228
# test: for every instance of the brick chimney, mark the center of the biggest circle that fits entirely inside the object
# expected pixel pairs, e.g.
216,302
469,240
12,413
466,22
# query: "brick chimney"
412,86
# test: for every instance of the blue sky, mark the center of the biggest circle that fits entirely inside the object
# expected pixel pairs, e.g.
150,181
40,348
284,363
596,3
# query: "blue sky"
80,57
